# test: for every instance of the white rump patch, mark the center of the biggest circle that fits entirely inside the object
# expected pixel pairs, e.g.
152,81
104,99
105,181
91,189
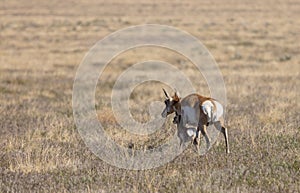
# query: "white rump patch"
209,109
220,110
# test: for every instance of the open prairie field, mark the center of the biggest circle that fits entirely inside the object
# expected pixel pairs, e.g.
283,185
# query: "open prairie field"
255,44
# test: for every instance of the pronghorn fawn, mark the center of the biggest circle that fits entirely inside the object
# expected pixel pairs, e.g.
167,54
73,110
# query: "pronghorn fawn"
196,111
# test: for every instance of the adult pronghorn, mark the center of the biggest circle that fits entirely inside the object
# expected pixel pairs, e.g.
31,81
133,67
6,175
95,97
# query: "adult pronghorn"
198,111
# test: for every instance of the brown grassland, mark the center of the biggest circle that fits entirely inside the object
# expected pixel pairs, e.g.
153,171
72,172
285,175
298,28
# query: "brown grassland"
256,46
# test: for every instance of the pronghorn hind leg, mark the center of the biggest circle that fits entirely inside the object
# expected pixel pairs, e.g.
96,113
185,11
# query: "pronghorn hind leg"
196,139
225,134
204,133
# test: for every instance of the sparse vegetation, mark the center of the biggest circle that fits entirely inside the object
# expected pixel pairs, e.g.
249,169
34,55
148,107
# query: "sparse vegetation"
256,45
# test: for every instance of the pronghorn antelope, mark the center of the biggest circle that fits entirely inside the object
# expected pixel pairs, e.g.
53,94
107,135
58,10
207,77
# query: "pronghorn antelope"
196,111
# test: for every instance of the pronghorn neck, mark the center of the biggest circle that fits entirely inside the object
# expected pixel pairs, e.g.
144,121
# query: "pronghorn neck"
177,108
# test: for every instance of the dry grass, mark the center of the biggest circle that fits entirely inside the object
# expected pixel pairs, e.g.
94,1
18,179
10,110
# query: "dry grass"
256,45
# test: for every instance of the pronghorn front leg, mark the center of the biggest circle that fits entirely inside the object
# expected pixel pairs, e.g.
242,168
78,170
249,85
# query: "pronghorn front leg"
195,138
201,129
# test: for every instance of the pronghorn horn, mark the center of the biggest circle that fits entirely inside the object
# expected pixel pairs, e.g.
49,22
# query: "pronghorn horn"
167,95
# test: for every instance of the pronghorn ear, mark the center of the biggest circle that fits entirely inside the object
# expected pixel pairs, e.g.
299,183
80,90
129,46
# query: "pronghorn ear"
166,93
176,95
